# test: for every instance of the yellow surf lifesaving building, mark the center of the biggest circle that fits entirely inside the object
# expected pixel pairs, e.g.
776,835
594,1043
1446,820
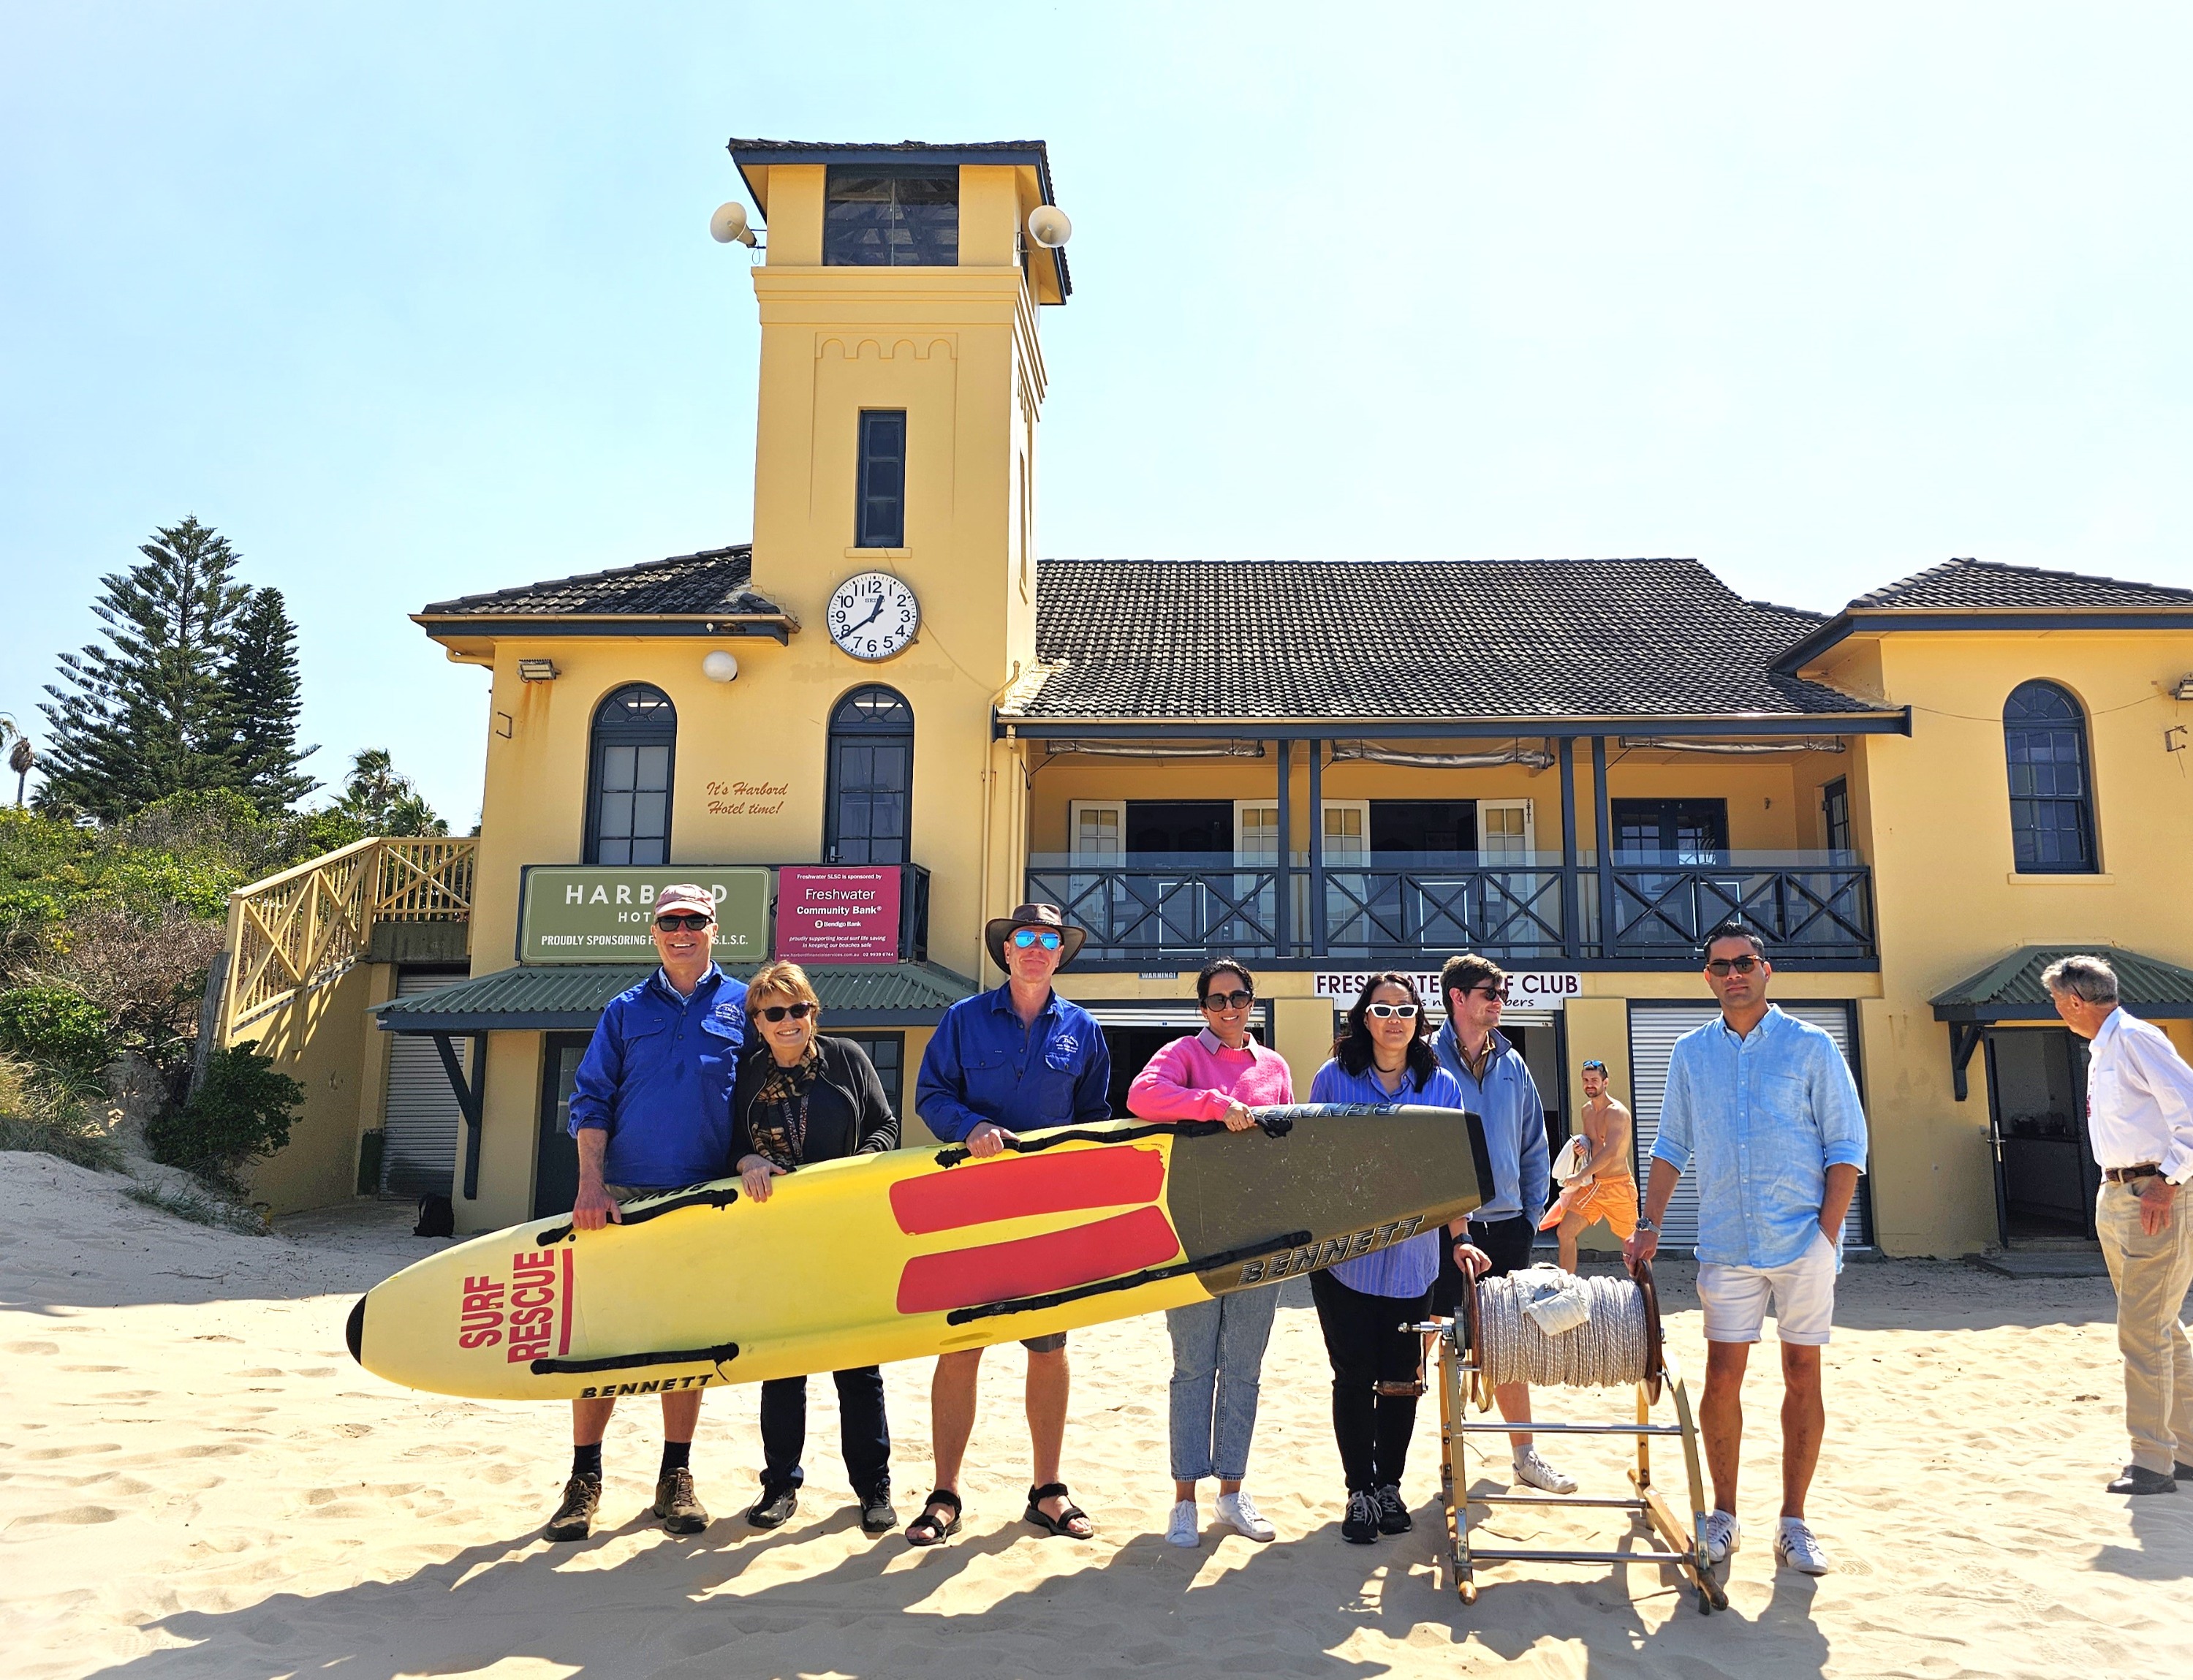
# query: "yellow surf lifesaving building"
885,720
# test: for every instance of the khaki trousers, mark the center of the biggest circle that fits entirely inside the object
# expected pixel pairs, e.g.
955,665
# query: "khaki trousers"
2152,1275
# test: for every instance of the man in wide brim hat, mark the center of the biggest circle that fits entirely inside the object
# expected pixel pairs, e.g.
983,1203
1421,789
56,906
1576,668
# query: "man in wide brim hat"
1050,917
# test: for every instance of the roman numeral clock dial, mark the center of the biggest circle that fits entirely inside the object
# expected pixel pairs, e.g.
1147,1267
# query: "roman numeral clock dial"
873,616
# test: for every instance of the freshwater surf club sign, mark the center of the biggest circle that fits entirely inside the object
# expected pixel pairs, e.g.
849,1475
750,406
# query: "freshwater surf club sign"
1533,989
576,913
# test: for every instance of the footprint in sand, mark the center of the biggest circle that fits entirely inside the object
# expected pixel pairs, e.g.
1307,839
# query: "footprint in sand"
42,1453
76,1515
34,1347
237,1340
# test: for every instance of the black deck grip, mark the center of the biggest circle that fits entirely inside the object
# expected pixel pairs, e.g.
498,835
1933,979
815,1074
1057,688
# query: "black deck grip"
1131,1281
628,1361
701,1195
354,1331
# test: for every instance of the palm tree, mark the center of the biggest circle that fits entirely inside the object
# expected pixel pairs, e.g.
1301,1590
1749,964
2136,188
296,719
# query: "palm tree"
20,757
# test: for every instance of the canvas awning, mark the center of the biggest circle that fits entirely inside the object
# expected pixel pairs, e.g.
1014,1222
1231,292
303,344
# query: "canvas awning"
2009,992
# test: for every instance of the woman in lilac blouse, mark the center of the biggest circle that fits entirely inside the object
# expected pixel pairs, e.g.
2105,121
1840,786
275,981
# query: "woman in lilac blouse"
1219,1074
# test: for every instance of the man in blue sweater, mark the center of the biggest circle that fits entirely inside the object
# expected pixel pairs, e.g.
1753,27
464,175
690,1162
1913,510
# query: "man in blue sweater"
651,1111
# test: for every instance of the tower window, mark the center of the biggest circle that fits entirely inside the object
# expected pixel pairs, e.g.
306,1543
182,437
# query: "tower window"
891,219
635,736
881,517
2051,811
870,770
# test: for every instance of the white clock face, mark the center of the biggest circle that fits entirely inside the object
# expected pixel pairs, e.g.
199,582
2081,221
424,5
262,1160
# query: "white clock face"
873,616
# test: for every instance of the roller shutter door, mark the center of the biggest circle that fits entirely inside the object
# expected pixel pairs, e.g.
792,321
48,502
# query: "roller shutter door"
420,1117
1654,1031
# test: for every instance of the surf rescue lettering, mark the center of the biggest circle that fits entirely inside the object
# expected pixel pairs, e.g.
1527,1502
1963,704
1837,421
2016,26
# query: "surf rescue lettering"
1297,1261
529,1316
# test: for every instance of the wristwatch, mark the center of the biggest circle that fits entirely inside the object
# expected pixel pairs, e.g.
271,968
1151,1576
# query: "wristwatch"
1647,1225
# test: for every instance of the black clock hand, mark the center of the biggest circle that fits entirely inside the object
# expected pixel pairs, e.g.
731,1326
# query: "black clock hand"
874,613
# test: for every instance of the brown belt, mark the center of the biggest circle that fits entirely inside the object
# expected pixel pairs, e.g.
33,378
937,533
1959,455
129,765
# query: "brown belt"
2125,1175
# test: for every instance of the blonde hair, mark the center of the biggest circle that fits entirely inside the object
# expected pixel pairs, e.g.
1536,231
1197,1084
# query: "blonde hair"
788,978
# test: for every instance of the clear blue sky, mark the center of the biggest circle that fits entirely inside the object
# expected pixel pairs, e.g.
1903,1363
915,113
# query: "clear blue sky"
416,300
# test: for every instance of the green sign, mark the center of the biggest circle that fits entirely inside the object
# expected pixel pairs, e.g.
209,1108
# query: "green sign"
570,912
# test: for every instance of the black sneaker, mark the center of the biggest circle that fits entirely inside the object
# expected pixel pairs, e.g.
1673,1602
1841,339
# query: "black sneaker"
575,1518
2138,1479
2182,1470
678,1505
1360,1526
773,1509
876,1515
1394,1517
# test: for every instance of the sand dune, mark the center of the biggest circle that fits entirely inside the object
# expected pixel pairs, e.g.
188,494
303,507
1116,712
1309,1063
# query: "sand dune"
196,1480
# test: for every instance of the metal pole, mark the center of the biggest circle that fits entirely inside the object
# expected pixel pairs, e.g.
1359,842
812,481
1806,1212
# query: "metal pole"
1283,882
1605,814
1571,932
1317,848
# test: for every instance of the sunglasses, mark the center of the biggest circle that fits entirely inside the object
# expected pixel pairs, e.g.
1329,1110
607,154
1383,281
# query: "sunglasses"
1497,993
1595,1066
777,1011
1732,964
1387,1012
692,924
1228,999
1029,937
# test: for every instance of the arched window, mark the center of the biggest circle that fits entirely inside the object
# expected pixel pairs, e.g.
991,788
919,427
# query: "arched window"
628,778
2051,801
871,778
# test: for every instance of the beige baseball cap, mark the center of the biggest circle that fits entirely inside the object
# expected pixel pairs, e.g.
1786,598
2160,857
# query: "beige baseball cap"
686,896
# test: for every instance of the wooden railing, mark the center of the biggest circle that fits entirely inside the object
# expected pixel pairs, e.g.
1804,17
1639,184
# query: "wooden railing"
305,926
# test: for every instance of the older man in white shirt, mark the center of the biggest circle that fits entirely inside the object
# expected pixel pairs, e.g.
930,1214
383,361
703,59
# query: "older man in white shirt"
2139,1118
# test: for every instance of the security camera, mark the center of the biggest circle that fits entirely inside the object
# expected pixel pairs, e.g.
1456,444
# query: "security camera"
1049,227
730,223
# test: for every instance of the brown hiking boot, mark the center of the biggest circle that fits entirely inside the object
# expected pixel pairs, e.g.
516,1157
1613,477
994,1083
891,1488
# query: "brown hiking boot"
575,1518
678,1505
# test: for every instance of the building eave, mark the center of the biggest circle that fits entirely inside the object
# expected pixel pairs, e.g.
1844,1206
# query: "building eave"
1877,621
1719,724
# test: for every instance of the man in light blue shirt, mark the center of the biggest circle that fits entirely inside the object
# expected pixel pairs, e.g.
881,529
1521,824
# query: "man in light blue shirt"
1764,1105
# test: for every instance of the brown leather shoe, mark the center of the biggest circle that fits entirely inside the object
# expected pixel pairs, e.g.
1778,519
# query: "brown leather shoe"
678,1505
575,1518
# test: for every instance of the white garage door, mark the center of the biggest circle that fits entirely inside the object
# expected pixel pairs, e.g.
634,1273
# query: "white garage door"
419,1119
1653,1031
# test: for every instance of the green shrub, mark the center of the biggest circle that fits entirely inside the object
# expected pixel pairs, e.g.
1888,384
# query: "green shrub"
243,1113
55,1027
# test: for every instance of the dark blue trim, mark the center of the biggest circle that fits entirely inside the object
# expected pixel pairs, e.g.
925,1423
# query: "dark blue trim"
1848,624
548,629
1895,722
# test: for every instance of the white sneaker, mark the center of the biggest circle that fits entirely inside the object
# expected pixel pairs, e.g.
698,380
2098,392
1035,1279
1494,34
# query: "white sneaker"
1532,1468
1240,1511
1796,1546
1186,1528
1724,1534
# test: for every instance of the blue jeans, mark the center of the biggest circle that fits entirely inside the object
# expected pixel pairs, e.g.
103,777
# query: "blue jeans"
1217,1353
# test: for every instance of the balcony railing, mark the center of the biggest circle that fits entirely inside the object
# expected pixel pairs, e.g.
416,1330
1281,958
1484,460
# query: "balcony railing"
1533,906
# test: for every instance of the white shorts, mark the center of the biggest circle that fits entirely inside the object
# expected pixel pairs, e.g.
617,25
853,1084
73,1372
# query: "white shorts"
1803,1291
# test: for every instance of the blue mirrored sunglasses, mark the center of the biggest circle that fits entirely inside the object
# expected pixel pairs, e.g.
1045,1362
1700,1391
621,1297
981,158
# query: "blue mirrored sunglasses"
1027,937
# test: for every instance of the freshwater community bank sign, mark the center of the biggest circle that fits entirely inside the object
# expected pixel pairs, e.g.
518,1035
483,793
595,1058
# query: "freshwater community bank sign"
573,912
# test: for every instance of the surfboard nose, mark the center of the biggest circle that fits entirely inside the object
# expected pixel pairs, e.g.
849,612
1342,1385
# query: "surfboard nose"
354,1331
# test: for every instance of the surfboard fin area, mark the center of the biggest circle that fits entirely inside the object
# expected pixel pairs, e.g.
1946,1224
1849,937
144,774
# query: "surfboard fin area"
881,1258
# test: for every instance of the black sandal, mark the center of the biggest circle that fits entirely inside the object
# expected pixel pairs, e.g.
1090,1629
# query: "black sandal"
1063,1523
926,1529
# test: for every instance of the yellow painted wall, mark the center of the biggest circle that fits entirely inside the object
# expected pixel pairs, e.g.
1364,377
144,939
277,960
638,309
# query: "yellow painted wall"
321,1039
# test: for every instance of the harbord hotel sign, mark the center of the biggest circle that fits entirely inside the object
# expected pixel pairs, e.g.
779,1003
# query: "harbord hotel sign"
838,915
572,913
1531,989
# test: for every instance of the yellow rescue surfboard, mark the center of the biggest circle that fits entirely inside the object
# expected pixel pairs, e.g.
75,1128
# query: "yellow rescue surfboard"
880,1258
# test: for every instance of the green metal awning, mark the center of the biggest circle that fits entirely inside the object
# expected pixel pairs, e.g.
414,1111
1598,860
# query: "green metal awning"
2011,989
571,1000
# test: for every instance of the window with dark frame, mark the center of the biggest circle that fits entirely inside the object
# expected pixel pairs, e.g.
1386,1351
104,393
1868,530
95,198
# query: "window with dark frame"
1835,814
880,518
635,740
2051,809
884,218
1669,831
888,1051
868,811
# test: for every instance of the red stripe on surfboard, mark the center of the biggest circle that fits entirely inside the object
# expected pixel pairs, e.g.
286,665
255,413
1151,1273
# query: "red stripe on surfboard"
1016,1186
564,1333
1036,1265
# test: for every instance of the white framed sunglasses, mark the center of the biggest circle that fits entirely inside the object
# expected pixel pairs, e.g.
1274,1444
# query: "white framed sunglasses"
1390,1011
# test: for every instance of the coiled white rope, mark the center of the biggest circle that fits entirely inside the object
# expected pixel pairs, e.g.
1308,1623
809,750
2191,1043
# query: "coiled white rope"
1606,1350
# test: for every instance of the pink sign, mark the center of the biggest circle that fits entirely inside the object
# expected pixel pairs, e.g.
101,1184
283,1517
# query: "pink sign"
825,915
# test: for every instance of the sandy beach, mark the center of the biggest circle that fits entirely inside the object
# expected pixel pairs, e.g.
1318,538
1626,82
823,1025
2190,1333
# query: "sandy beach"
195,1480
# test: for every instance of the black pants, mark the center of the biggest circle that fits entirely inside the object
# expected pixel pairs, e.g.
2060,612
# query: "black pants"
863,1432
1367,1348
1506,1242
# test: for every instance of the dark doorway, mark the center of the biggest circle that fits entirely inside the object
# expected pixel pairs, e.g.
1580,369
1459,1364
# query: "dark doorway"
1180,825
1132,1047
1423,825
555,1157
1669,831
2046,1180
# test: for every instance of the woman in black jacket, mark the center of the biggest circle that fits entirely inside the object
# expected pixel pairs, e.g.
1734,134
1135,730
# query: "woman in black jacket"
802,1097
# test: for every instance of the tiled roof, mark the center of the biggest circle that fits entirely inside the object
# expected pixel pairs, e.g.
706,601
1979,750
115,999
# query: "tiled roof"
1978,585
714,580
2011,989
547,998
1415,640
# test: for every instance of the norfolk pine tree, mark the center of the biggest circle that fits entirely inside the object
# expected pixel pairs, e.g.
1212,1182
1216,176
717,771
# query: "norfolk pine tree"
265,695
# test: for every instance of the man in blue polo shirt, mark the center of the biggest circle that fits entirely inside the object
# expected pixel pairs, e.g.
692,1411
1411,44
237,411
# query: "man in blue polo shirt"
651,1111
1017,1060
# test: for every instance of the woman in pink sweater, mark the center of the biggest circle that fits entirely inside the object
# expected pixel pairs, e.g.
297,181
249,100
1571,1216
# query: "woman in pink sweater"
1218,1074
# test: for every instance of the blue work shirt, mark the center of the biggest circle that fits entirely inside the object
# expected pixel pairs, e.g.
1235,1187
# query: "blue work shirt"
1764,1116
1406,1269
982,1063
1514,1114
658,1078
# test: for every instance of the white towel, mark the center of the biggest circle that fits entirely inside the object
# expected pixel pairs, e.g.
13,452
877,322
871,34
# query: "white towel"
1554,1300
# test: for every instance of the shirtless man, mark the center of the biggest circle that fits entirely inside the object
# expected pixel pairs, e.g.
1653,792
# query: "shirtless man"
1607,1187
